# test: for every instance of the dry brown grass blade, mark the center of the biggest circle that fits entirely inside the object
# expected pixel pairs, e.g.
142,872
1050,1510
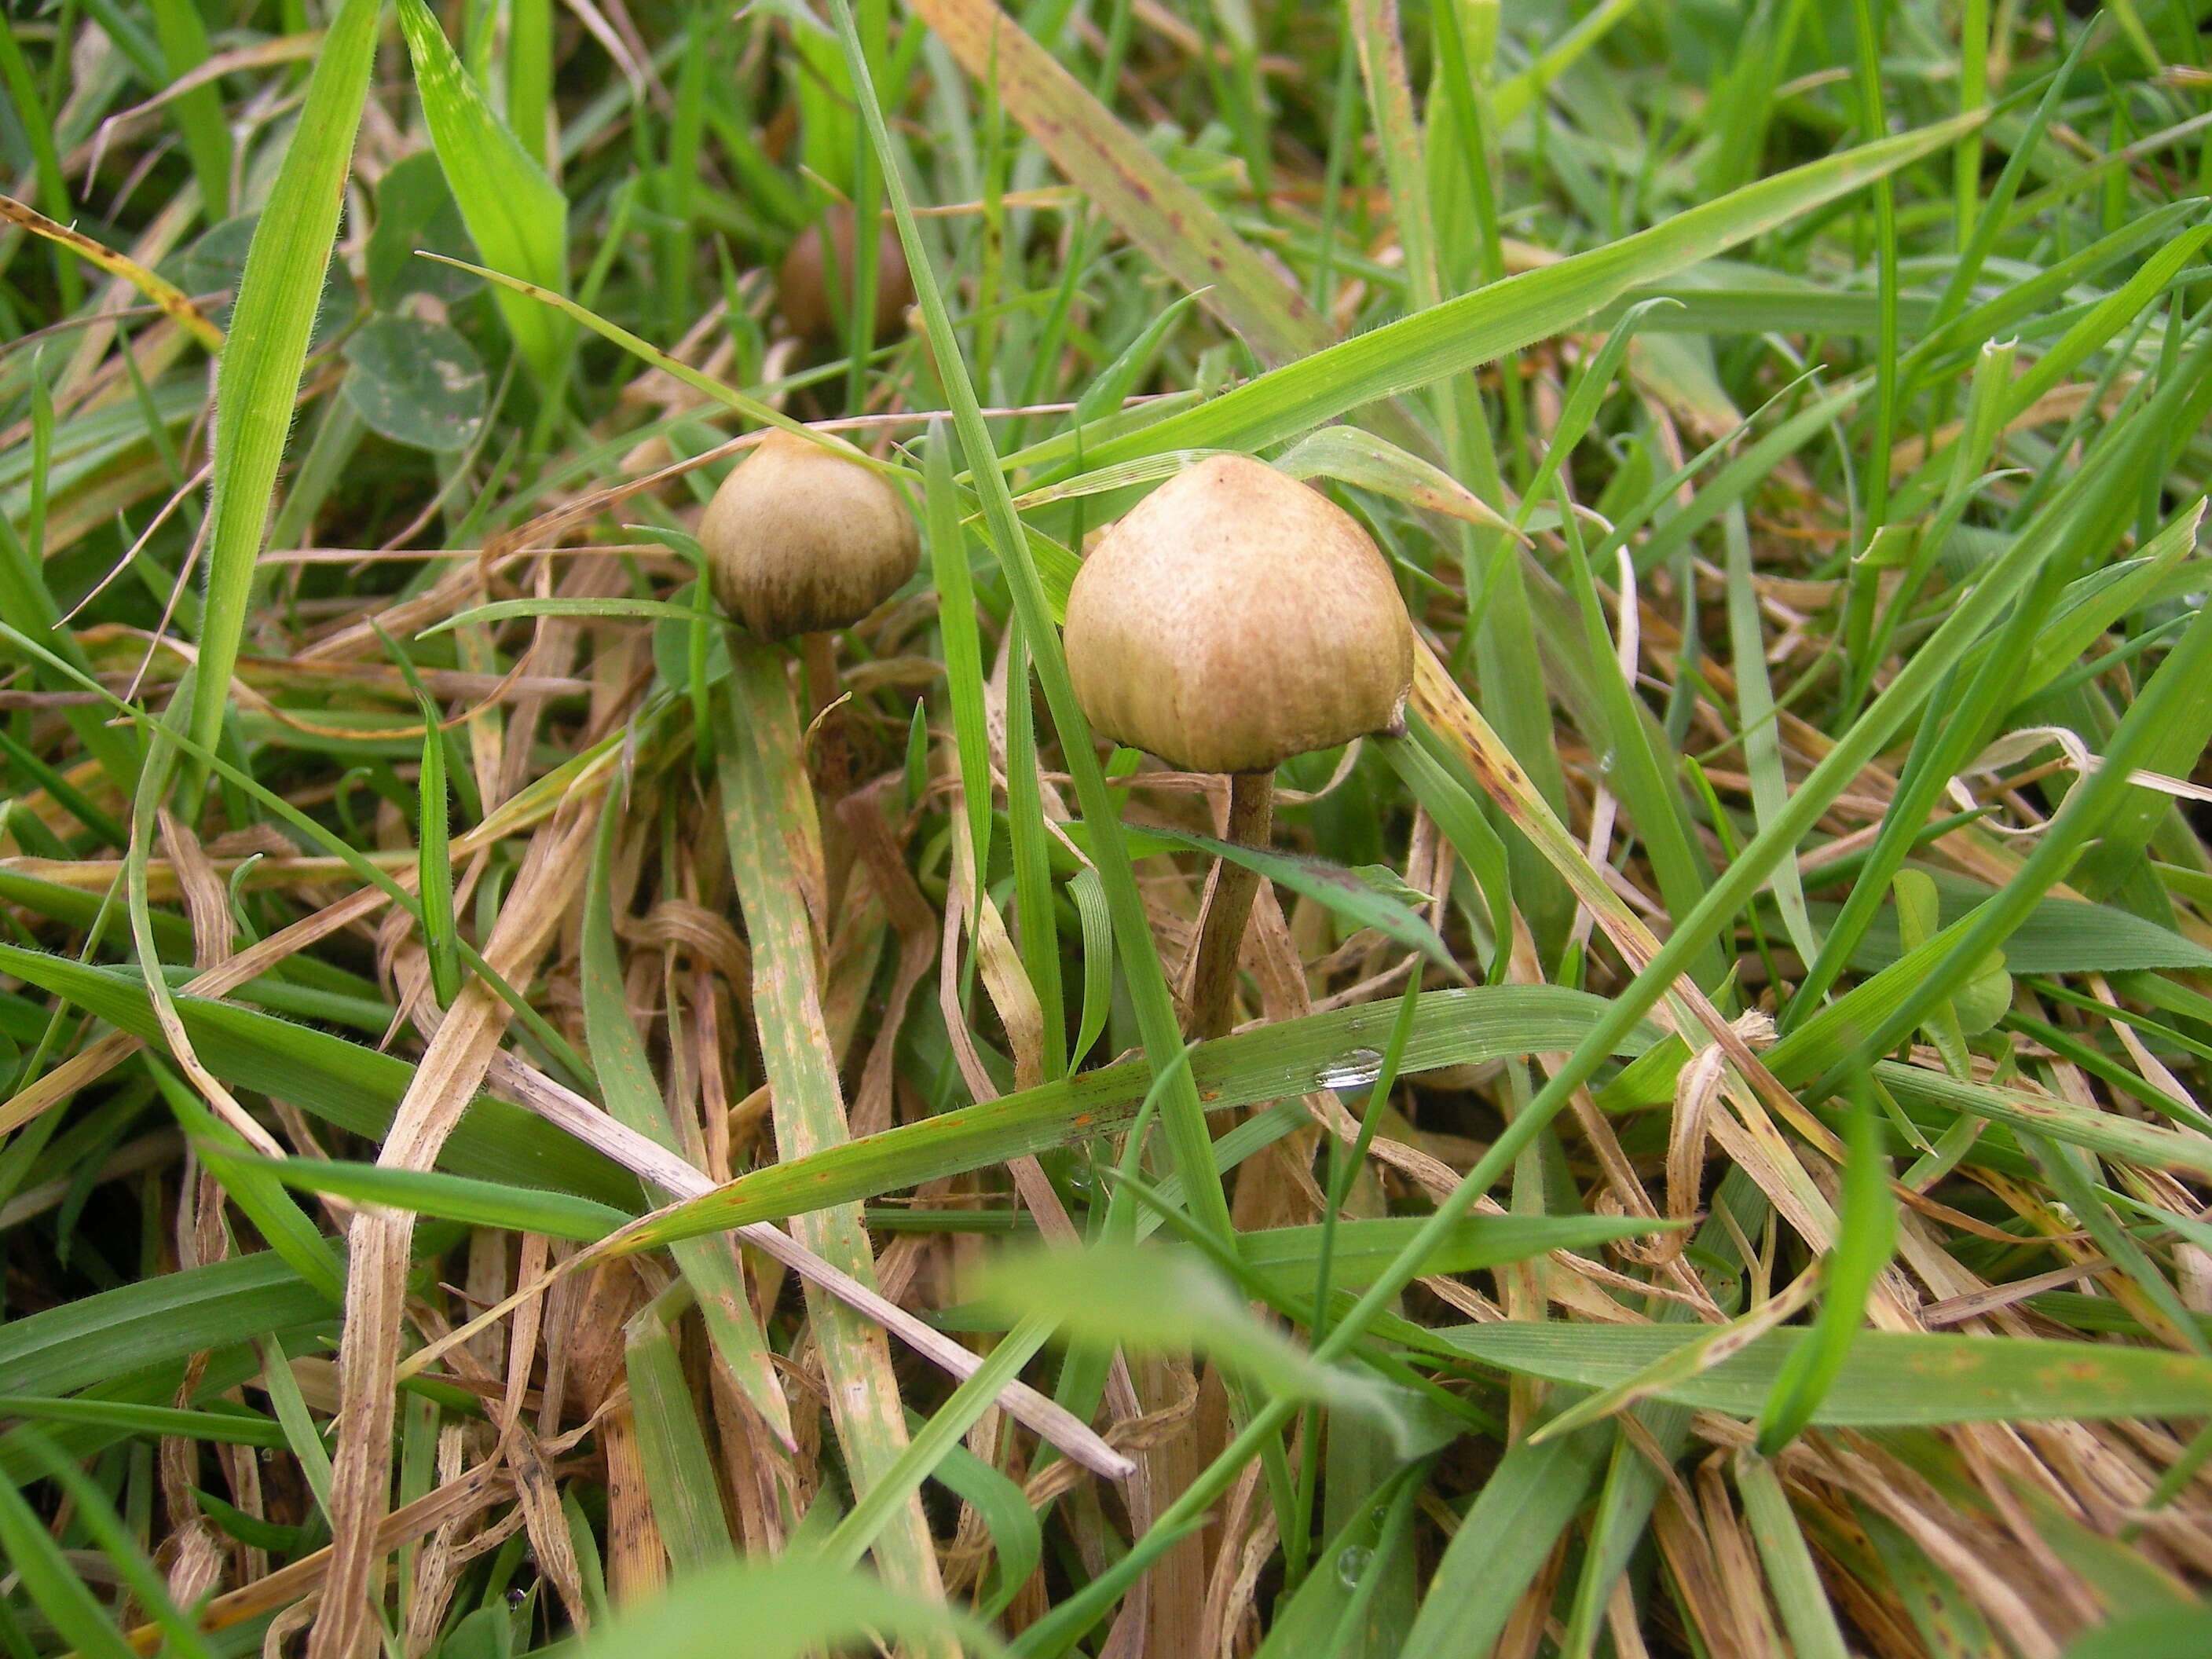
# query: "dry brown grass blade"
451,1071
1778,1168
104,1053
514,1080
467,1494
172,300
569,1111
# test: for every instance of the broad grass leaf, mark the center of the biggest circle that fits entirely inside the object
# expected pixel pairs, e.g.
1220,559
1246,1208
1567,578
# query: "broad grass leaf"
1890,1379
2161,1633
453,1198
2060,936
1866,1237
1455,336
679,1473
259,375
517,218
59,1589
999,1502
355,1087
1529,1499
2113,1134
220,1425
632,1097
1791,1573
151,1320
1310,1619
784,1608
1287,1059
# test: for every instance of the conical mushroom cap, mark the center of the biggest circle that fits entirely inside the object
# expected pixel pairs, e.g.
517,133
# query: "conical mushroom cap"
800,539
1236,619
811,291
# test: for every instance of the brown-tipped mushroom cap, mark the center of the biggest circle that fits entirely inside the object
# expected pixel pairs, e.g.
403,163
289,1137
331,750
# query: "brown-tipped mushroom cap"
1236,619
800,539
811,292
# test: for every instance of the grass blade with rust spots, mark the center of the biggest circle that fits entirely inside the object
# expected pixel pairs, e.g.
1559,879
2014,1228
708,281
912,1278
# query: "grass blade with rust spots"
156,288
1134,188
711,1266
775,862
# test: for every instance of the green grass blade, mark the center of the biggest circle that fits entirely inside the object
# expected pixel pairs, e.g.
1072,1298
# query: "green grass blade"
516,216
679,1474
258,376
710,1265
154,1320
1866,1219
1892,1379
1289,1057
963,651
1140,193
1457,335
1522,1508
198,112
1790,1571
1181,1115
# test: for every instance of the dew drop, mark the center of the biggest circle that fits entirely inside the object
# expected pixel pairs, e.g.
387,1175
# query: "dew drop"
1351,1565
1356,1070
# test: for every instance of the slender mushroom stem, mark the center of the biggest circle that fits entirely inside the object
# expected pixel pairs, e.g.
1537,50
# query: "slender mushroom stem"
1228,906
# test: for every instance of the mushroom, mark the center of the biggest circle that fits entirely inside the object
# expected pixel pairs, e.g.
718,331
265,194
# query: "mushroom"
814,295
1234,618
800,541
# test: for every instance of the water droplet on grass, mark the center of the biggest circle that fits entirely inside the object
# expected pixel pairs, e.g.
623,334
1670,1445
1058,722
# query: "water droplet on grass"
1356,1070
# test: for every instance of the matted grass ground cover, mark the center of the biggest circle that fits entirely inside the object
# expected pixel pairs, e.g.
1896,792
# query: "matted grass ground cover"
583,1074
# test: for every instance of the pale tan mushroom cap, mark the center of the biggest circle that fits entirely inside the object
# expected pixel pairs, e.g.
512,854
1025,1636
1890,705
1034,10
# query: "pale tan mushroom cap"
798,539
1236,618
